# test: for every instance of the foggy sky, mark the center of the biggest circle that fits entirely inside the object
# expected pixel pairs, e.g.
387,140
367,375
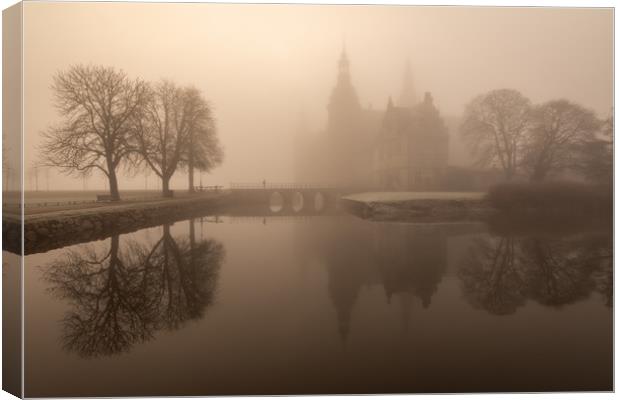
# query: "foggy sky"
262,66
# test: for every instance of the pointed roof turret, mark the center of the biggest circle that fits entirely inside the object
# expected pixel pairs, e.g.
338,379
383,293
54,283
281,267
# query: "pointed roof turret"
343,67
344,107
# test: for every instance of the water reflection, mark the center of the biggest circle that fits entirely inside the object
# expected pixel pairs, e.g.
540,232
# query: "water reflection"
383,301
123,295
501,273
498,274
12,286
407,261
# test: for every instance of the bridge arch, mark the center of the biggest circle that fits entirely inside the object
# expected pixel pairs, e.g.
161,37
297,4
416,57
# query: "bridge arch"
297,201
319,201
276,202
300,199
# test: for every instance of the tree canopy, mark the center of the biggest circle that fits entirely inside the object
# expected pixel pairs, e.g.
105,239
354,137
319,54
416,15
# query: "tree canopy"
559,127
495,125
110,120
97,105
505,131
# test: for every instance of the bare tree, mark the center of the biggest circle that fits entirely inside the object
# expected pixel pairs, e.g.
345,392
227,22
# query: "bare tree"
595,159
558,128
203,151
163,130
97,104
495,125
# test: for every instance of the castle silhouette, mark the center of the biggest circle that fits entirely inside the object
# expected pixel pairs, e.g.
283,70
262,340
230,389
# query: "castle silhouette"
403,147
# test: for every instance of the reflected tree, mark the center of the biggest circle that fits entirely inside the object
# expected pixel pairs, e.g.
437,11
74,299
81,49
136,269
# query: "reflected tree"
556,271
123,296
491,277
182,277
598,253
604,279
109,308
500,274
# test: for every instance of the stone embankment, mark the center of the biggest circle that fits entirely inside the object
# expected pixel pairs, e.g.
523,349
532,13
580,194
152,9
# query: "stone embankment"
43,232
421,209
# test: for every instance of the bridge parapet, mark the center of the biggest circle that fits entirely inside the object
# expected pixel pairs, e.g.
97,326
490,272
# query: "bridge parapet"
283,186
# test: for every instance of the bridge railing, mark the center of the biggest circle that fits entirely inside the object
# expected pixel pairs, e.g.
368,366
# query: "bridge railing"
280,186
208,188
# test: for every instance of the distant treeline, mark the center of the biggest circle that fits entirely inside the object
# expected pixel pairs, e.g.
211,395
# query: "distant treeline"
538,142
112,122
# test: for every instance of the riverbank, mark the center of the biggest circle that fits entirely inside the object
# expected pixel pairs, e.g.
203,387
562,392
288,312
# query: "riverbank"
49,230
419,206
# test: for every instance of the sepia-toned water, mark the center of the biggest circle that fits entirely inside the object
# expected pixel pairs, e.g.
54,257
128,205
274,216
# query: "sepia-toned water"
324,304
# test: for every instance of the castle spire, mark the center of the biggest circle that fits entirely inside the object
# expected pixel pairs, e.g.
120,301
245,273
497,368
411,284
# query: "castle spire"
343,108
408,97
343,66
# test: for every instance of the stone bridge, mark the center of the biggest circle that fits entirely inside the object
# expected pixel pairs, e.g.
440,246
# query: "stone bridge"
287,198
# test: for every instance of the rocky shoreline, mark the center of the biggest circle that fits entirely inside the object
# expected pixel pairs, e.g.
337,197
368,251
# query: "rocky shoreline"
52,230
421,210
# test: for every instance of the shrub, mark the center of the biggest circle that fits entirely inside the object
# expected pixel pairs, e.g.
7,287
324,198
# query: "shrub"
552,197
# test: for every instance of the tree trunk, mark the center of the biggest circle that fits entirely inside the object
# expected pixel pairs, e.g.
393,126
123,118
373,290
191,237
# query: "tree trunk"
190,163
192,240
113,185
165,184
192,235
191,179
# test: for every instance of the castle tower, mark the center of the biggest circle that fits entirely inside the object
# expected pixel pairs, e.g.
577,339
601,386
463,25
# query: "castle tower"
344,107
344,284
344,76
344,126
408,97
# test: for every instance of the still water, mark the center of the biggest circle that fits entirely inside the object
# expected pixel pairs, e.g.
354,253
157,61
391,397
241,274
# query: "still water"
282,305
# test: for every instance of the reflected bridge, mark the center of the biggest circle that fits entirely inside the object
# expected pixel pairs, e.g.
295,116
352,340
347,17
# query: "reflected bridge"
287,198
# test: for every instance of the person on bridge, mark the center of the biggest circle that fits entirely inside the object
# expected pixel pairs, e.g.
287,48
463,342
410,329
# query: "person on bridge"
264,184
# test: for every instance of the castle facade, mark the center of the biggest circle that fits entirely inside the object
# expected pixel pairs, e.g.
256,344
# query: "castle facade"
404,147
